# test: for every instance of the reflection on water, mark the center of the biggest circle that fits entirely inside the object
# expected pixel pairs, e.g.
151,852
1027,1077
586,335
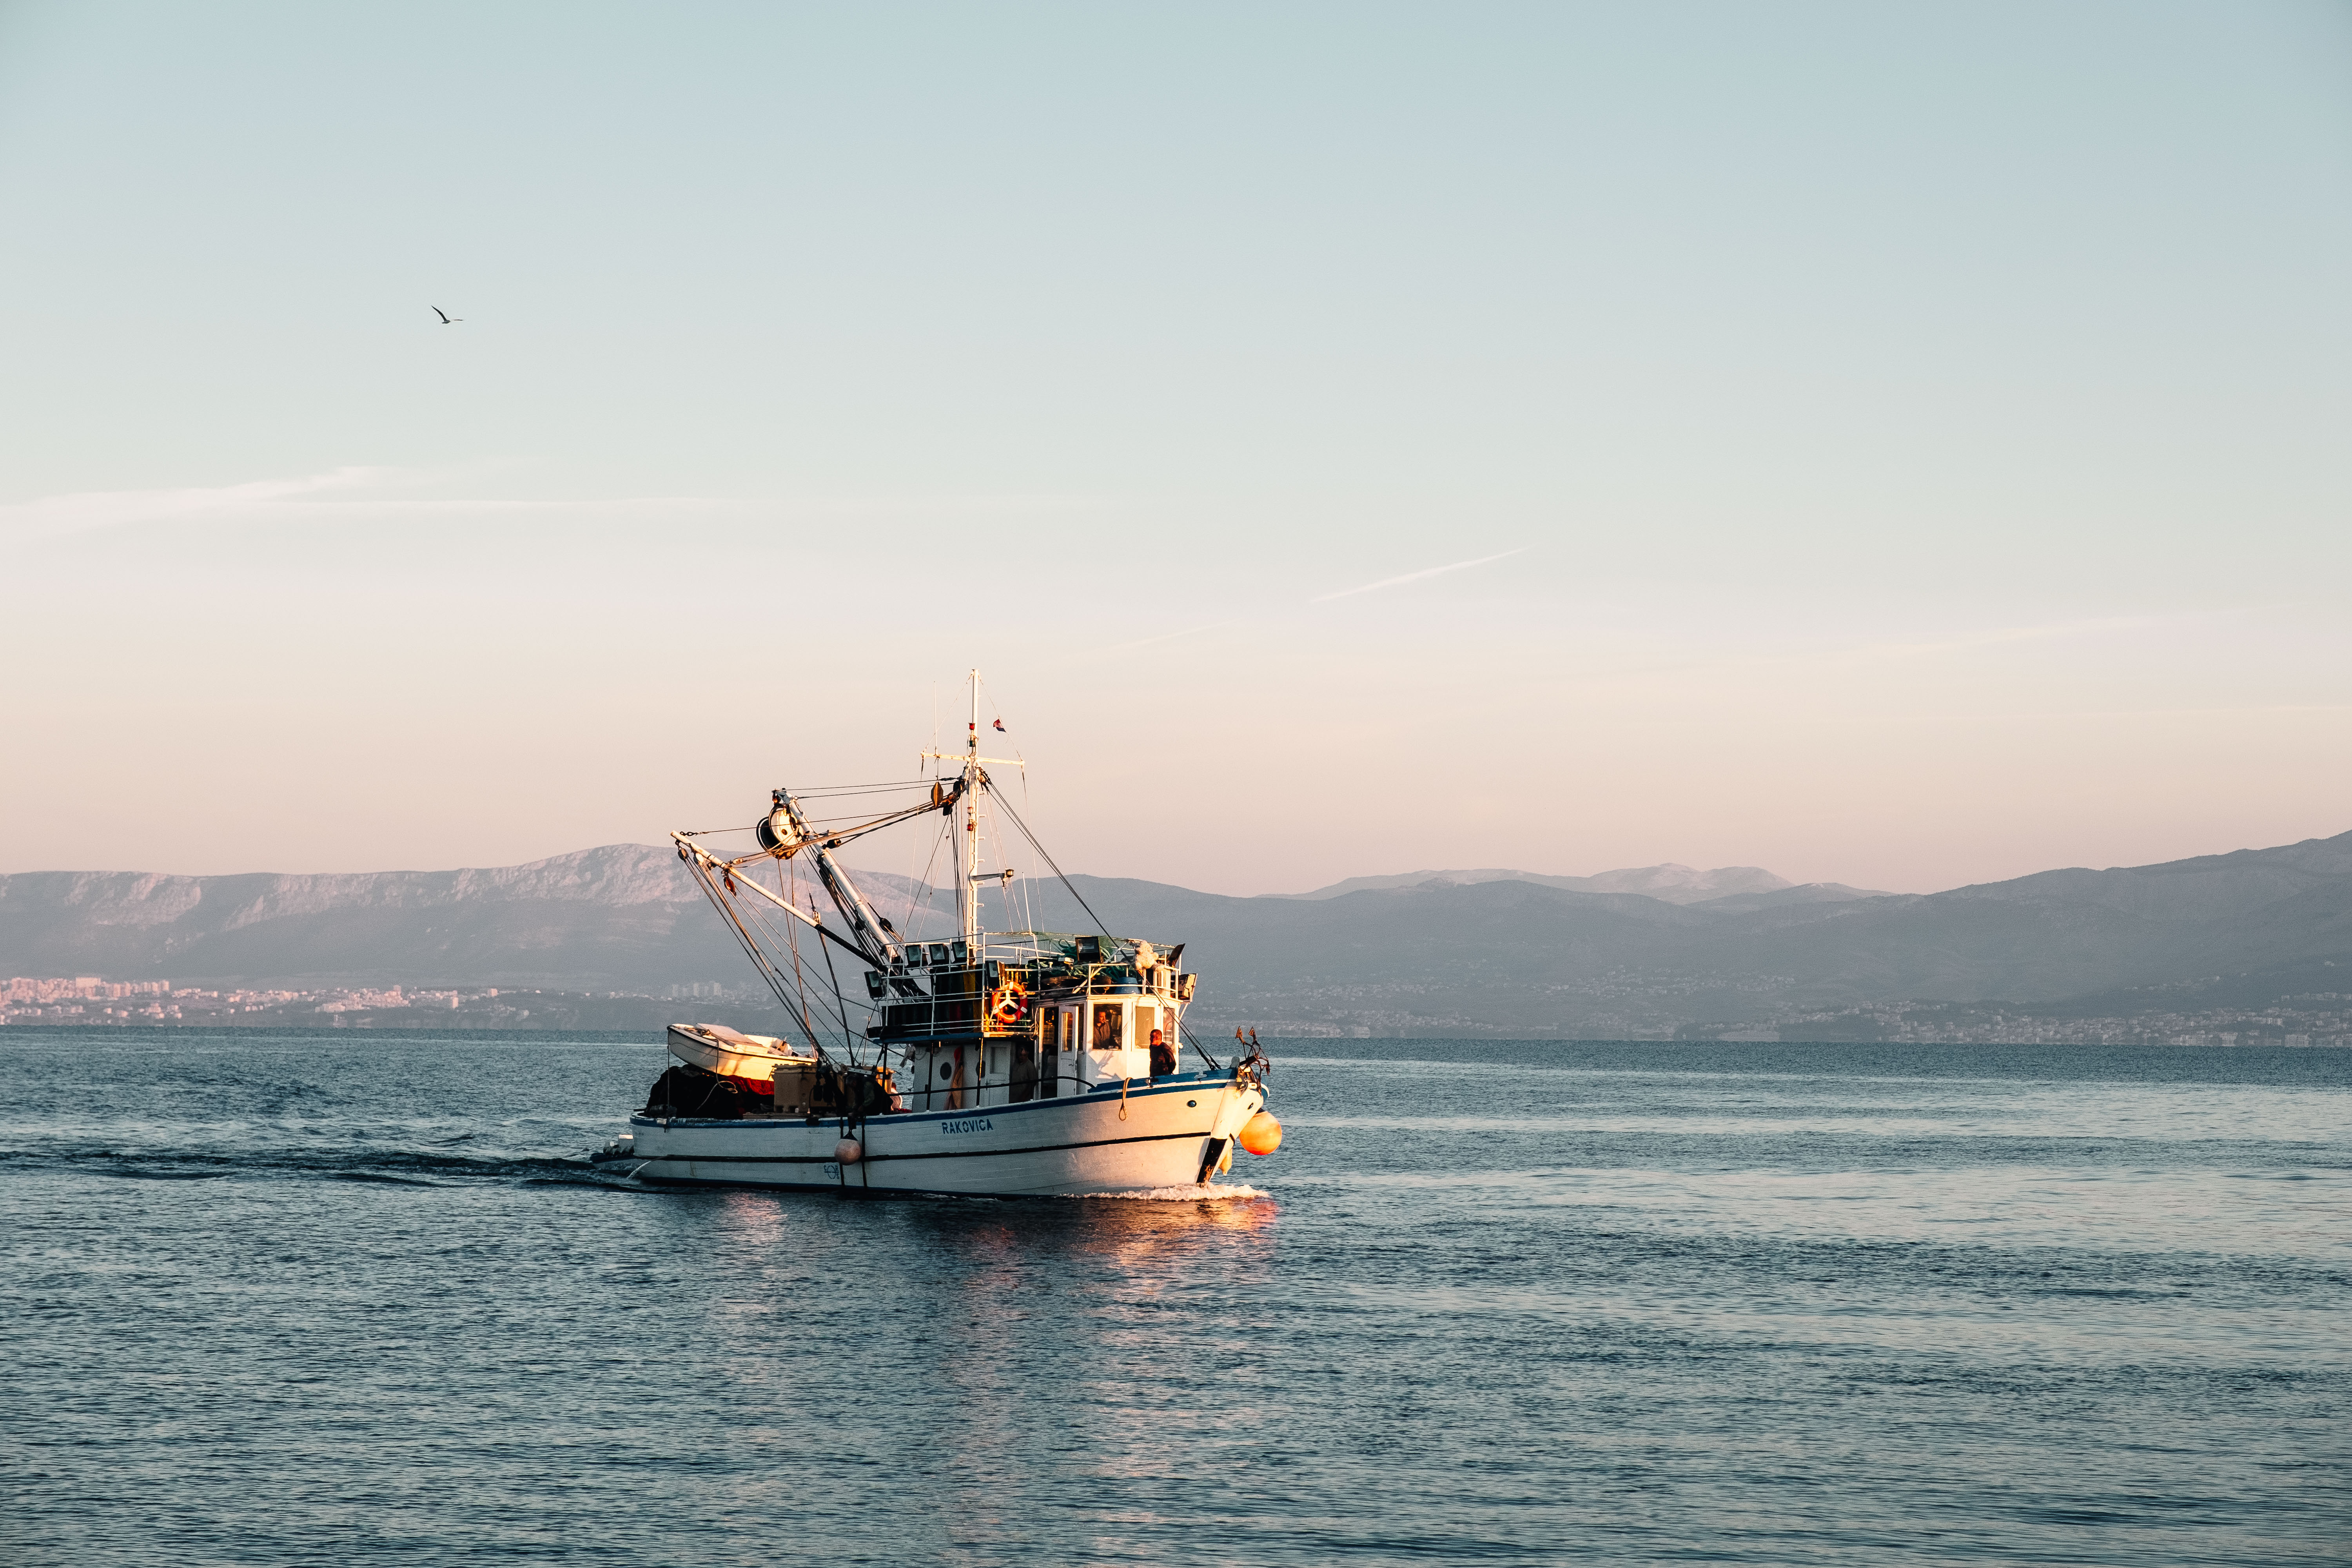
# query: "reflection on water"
285,1300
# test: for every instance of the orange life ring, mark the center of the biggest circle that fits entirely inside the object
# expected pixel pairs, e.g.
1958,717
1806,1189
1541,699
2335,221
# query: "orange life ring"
1010,1001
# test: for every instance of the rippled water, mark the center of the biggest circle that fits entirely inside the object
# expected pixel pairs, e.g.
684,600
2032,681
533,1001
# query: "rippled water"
348,1298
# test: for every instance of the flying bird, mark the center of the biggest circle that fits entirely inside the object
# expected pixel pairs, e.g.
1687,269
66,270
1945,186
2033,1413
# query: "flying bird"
446,319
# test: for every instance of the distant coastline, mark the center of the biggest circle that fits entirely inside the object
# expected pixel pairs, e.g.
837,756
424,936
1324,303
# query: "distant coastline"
2253,947
88,1000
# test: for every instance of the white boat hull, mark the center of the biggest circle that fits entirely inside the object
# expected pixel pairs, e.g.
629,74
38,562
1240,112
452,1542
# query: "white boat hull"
1165,1133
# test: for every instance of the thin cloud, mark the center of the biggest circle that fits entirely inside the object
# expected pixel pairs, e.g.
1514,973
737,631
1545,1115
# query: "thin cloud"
375,493
1413,577
90,510
1828,656
1994,636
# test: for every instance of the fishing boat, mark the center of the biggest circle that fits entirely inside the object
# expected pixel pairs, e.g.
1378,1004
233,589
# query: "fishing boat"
985,1062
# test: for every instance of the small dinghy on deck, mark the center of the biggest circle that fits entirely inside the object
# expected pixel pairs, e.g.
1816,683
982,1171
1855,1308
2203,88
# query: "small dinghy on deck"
716,1048
1005,1062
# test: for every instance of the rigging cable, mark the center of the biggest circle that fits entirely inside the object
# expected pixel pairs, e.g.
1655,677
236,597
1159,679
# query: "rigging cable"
924,886
1050,863
751,949
792,938
799,999
791,997
1194,1041
841,1001
848,1043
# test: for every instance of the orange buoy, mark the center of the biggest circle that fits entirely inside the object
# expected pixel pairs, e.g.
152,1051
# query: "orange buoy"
1262,1134
849,1151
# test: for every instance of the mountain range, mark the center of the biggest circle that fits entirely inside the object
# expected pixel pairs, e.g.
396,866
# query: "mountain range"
1724,888
1658,950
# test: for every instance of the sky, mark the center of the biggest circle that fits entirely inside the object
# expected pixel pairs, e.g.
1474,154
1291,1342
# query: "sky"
1900,446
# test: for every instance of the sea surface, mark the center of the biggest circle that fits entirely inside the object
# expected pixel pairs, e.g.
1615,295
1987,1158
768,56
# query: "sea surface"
344,1298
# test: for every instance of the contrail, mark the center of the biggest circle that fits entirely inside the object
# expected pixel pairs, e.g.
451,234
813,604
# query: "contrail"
1413,576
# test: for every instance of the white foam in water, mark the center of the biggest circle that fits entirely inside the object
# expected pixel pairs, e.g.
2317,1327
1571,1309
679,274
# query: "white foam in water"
1188,1193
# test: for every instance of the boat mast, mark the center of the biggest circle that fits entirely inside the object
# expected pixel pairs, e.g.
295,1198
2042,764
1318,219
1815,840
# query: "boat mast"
970,781
967,863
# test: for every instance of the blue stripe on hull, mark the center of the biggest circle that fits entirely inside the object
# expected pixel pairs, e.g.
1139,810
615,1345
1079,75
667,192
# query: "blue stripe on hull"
915,1118
1072,1145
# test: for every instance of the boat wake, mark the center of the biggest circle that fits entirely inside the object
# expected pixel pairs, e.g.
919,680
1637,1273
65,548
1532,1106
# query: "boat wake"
397,1167
1190,1192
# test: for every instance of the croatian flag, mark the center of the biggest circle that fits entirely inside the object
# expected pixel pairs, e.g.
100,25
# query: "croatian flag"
1000,725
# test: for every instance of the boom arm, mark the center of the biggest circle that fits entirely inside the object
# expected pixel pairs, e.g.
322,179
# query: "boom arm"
865,925
707,865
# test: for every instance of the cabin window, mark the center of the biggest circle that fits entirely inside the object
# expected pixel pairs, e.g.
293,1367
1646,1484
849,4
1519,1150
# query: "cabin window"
1108,1017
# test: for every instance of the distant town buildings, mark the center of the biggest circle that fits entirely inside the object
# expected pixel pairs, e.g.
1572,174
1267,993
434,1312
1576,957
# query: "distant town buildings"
2316,1019
90,999
94,1000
